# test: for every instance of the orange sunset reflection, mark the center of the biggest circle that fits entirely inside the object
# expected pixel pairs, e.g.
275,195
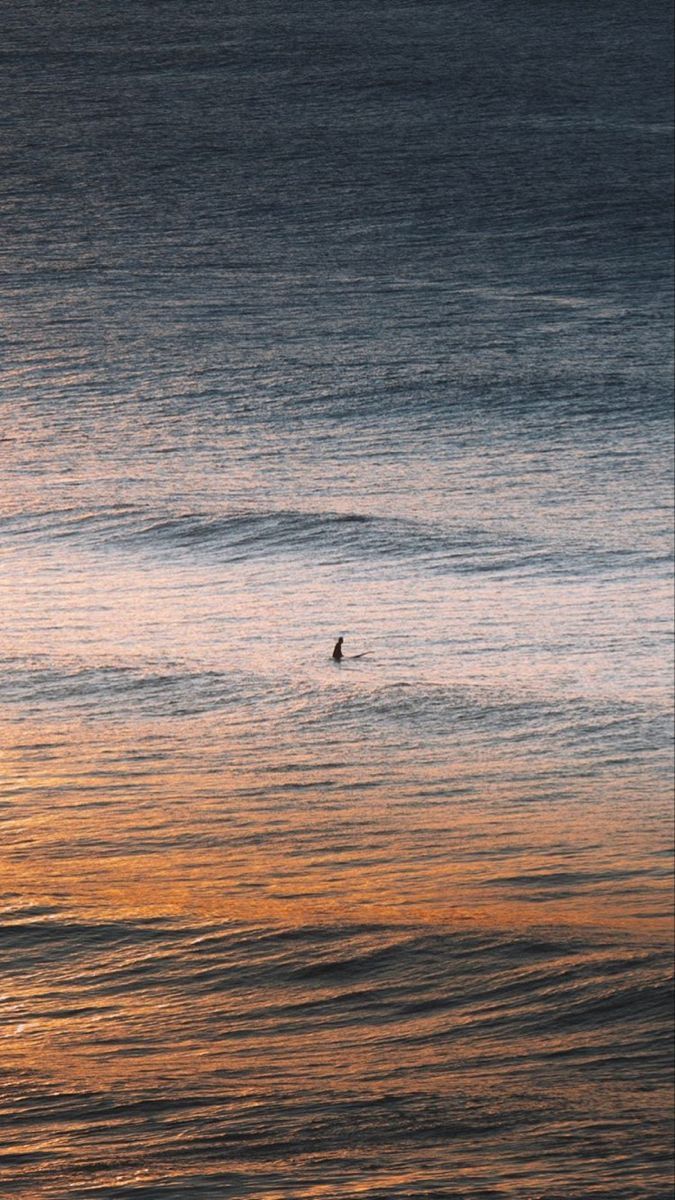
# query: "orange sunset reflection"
105,830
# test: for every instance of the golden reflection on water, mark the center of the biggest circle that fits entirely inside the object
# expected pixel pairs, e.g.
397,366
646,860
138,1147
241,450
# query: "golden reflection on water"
90,828
218,826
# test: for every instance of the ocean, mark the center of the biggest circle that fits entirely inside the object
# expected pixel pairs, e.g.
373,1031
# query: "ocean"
336,320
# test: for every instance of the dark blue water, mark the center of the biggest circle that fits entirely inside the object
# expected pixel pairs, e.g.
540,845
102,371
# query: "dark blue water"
315,320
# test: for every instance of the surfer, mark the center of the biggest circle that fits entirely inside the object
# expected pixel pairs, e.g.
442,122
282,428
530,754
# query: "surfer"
337,652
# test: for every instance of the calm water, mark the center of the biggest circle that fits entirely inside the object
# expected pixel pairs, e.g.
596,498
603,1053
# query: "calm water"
335,319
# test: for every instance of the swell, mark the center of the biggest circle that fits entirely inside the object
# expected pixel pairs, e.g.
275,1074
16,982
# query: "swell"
540,721
327,1047
331,537
577,723
40,688
543,978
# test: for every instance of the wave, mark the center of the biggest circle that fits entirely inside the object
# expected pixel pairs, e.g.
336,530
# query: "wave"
330,537
303,707
231,1047
107,691
538,717
548,978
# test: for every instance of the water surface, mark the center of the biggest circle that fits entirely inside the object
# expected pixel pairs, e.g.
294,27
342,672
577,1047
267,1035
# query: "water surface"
345,320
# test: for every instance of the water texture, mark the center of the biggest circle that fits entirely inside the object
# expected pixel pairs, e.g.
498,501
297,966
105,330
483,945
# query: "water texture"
336,320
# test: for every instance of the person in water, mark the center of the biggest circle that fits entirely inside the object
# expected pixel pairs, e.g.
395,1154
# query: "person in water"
337,651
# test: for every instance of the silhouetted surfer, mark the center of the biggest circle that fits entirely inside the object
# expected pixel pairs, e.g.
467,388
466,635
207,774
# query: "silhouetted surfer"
338,655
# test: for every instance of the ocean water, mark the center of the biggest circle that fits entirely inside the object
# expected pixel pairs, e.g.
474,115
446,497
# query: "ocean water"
336,319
